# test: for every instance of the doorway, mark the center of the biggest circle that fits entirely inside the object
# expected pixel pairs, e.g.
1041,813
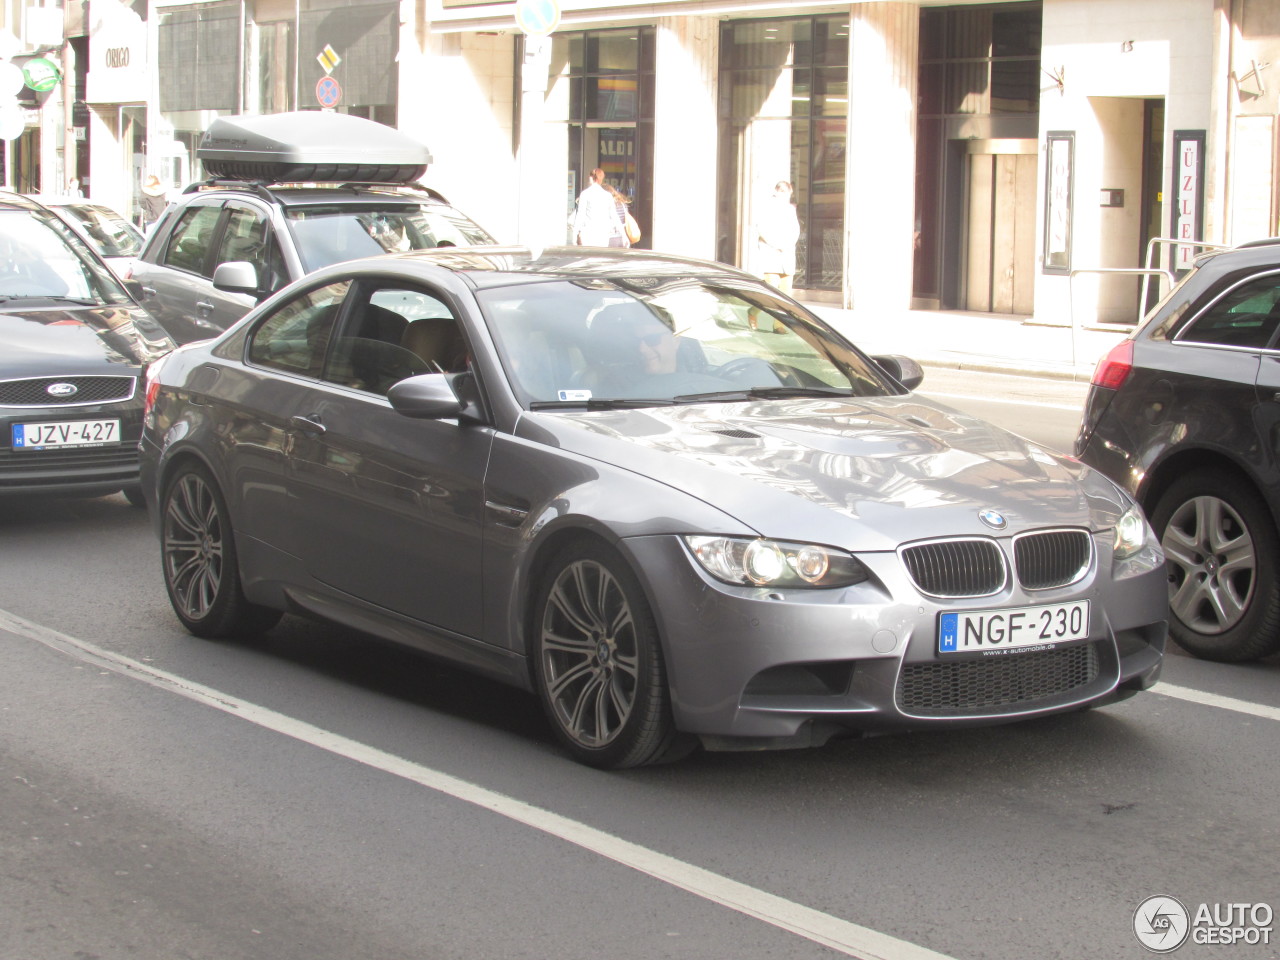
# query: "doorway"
1000,226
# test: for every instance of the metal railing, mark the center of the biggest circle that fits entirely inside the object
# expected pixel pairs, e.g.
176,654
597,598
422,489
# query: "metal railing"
1149,261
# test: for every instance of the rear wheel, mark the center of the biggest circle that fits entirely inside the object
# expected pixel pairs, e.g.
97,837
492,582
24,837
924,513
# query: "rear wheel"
201,570
1224,581
598,663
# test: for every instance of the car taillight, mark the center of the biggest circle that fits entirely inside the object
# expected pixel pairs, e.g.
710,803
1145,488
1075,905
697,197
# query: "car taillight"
151,386
1113,369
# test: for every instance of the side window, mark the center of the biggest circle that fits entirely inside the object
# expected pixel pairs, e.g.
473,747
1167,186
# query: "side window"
295,336
248,236
191,237
1246,316
396,333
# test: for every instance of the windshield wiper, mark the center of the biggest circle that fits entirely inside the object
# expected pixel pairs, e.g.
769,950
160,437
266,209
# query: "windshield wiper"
80,301
763,393
601,403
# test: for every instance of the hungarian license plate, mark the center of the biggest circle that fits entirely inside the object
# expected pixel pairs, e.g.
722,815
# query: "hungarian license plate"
66,433
989,631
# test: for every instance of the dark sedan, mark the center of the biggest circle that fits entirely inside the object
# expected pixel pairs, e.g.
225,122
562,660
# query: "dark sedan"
669,500
73,344
1185,414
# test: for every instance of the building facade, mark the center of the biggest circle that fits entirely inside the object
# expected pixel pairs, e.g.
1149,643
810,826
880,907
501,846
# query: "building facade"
1009,157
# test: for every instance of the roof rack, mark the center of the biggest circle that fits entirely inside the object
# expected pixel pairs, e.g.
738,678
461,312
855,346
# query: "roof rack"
265,188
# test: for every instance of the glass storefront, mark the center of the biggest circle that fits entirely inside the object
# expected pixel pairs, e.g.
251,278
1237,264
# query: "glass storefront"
609,112
979,97
784,101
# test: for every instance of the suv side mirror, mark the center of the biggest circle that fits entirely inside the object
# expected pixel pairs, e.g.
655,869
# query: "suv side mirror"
236,276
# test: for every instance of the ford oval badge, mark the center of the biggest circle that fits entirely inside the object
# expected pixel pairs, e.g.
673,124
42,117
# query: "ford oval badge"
61,389
993,519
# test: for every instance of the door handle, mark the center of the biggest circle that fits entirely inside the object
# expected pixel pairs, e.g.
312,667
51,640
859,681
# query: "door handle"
308,425
204,306
149,291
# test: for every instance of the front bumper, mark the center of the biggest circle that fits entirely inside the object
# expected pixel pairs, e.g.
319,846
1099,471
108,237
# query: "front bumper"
82,471
759,667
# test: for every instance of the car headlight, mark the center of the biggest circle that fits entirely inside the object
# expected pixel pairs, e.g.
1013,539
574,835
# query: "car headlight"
1132,534
771,563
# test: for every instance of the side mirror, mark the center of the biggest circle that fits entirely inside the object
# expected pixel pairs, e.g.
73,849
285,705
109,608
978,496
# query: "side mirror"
134,289
429,396
903,369
236,276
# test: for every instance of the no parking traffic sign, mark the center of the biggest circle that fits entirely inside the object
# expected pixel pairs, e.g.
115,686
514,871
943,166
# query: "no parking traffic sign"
537,18
328,92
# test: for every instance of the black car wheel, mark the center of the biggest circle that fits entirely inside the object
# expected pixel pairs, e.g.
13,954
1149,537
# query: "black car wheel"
598,663
1221,545
201,571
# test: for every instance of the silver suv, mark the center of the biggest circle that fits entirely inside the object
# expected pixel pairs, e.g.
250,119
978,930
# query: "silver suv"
289,194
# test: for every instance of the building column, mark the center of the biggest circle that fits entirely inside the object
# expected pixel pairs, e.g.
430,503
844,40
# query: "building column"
685,137
884,40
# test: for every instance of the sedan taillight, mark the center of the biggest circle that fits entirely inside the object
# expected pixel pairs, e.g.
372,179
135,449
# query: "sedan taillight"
1114,369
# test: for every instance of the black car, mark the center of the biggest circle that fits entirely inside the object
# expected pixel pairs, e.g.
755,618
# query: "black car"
1185,414
289,194
73,345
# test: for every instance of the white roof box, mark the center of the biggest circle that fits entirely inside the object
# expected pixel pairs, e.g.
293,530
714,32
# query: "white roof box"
310,146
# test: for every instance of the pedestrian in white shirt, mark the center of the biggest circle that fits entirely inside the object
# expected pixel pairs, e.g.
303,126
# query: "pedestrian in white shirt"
597,215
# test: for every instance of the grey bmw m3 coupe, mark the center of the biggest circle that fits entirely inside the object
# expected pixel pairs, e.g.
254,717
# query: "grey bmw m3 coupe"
653,491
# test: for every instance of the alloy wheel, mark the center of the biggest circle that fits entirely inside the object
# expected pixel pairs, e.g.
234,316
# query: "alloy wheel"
193,546
1212,564
590,659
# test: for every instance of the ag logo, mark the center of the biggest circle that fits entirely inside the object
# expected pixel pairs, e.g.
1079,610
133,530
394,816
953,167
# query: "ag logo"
1161,924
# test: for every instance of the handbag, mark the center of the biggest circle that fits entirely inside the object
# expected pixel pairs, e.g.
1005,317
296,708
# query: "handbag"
632,228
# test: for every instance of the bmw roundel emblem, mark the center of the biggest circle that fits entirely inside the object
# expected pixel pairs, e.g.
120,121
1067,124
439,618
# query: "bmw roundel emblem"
993,519
61,389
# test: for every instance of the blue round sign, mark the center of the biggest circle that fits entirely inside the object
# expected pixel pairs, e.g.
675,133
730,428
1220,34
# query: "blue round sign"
537,18
328,92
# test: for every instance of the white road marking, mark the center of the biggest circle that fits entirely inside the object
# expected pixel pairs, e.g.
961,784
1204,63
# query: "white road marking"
1215,700
1073,407
840,935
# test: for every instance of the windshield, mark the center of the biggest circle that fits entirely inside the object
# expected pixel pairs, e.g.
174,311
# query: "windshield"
42,258
332,234
110,234
684,340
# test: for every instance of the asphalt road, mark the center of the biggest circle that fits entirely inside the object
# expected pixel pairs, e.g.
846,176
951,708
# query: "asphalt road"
316,795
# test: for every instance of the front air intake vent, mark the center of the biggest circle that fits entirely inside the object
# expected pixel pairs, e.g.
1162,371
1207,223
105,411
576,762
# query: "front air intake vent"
956,568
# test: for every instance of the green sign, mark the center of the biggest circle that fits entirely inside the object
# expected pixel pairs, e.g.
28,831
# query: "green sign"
41,74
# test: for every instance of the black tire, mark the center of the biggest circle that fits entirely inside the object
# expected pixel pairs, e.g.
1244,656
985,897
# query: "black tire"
134,496
597,662
198,554
1220,543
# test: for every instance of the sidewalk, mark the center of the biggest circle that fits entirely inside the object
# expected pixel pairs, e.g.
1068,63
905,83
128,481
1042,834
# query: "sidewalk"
995,343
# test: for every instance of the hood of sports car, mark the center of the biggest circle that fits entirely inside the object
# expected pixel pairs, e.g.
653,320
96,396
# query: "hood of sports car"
865,473
39,338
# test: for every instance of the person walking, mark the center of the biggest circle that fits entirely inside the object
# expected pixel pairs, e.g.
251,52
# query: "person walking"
777,232
596,216
618,236
153,201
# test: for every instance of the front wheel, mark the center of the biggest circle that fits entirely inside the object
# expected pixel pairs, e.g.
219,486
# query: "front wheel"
1224,583
597,661
201,570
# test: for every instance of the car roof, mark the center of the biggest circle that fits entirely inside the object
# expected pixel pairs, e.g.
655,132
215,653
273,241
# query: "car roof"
489,267
17,200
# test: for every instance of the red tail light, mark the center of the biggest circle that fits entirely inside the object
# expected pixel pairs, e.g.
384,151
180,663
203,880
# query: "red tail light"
1113,369
151,386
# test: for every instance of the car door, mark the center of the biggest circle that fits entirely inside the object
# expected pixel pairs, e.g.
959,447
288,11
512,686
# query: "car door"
284,357
389,509
173,271
1222,385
